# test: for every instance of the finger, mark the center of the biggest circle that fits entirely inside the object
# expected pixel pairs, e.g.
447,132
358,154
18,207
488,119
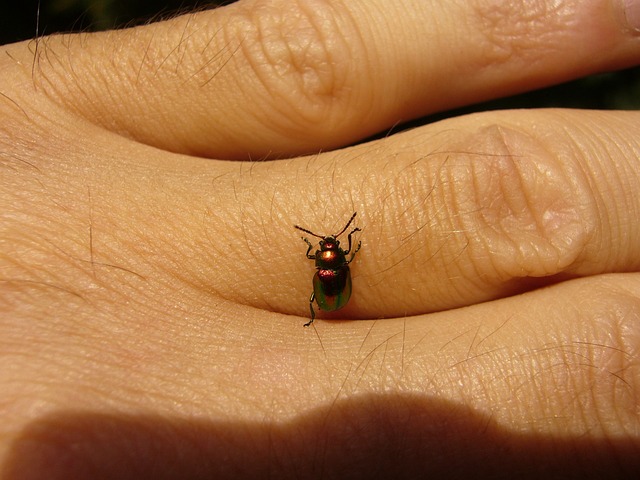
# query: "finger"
472,209
260,78
558,363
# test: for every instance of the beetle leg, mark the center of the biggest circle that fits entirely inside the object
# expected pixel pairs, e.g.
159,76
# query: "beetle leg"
310,257
354,252
313,314
349,237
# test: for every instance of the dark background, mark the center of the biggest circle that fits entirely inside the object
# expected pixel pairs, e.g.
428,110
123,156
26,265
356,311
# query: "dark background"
18,21
18,18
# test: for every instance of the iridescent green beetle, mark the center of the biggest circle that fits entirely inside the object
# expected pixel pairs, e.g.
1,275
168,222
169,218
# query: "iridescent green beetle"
332,281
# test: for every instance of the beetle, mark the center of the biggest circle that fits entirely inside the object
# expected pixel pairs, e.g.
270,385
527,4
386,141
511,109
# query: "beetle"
332,280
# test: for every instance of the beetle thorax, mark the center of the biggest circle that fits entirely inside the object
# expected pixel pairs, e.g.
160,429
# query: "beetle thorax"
330,258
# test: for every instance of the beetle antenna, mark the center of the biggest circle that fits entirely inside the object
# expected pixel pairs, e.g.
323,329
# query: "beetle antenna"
347,225
308,231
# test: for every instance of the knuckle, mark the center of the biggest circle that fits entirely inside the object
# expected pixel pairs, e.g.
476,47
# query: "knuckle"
296,52
525,212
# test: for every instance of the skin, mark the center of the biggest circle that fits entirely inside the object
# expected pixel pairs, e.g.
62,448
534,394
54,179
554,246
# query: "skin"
153,288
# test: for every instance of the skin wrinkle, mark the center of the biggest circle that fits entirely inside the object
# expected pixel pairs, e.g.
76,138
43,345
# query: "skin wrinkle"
601,177
625,175
468,270
599,366
547,222
567,360
297,65
535,185
597,174
621,348
490,226
505,39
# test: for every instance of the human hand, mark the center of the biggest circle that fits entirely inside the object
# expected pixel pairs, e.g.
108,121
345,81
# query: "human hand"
153,300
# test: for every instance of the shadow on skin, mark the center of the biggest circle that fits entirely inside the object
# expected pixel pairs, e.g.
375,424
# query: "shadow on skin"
373,436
